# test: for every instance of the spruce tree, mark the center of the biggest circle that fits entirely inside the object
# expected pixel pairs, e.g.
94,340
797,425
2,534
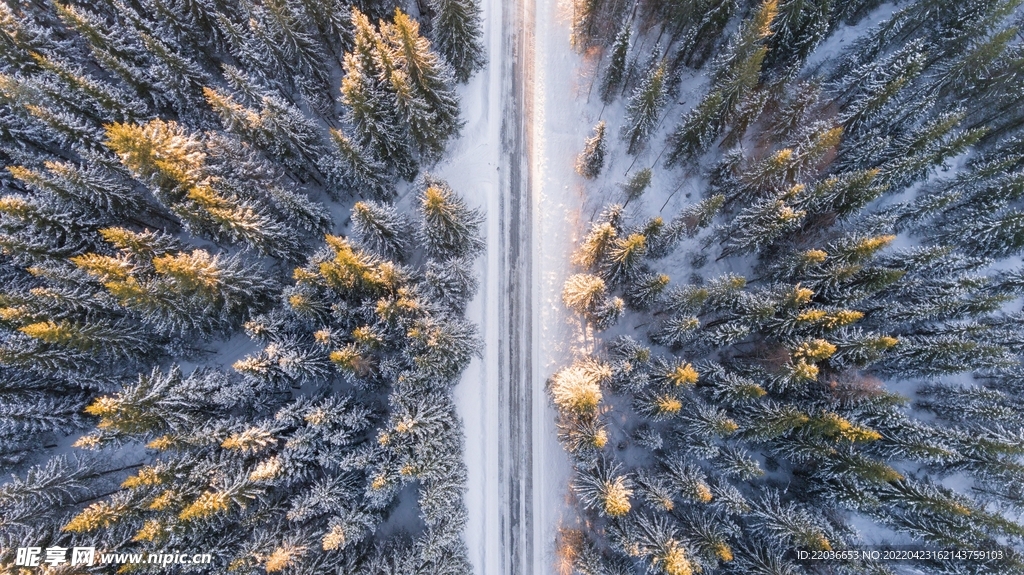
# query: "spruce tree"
429,80
449,228
382,229
371,103
644,107
697,131
614,75
637,184
366,171
591,159
457,33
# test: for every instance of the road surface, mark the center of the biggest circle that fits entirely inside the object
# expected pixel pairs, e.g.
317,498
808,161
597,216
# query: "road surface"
516,368
517,471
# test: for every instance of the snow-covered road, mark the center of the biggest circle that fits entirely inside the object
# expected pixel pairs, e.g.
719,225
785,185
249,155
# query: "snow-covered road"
515,161
515,355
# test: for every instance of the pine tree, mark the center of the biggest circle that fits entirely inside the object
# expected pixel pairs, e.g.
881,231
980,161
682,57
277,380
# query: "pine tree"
362,167
737,71
92,186
457,32
591,160
698,216
788,524
614,75
604,489
113,46
799,28
646,291
453,282
371,104
177,76
381,229
917,356
94,338
763,223
846,193
22,37
644,107
608,313
625,259
637,184
577,388
697,131
177,291
449,227
594,248
429,80
583,293
656,538
159,152
873,86
74,88
278,127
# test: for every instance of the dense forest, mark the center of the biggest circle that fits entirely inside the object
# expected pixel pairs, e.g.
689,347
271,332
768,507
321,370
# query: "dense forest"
823,350
220,332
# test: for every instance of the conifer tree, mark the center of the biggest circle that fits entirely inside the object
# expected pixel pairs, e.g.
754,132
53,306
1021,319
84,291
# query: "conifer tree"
697,131
583,293
577,388
737,71
637,184
763,223
615,74
591,160
429,80
371,104
644,107
453,282
367,171
381,229
594,248
625,258
450,228
646,291
605,489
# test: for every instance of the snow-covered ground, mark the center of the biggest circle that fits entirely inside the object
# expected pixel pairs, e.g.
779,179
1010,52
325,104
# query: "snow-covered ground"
474,168
559,127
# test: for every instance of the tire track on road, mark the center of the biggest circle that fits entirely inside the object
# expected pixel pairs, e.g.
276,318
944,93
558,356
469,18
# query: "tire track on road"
515,358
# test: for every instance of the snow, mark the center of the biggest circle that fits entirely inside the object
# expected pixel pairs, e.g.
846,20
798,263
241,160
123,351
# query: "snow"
471,168
559,128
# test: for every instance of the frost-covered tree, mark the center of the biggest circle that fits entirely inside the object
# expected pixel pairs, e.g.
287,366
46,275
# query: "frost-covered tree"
615,73
644,107
450,228
591,160
382,229
457,33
